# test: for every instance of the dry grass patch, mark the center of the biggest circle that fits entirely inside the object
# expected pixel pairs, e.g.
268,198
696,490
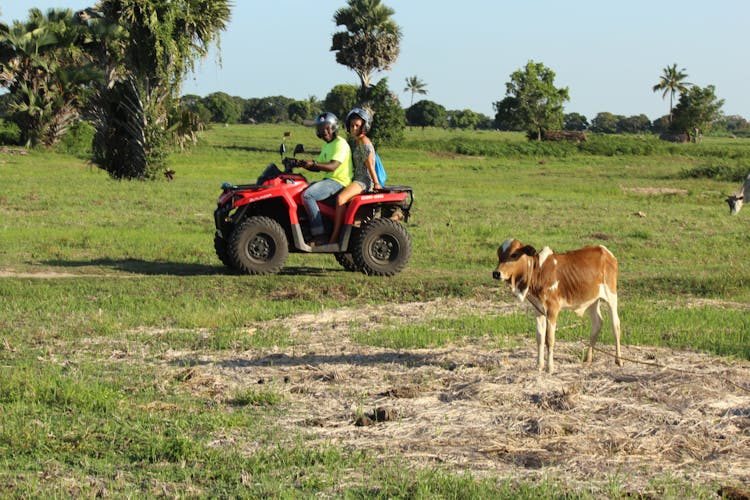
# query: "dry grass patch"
487,410
655,190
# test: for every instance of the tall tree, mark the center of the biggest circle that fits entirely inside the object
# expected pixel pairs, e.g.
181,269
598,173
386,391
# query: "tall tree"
415,86
671,82
341,99
146,64
575,121
371,40
697,109
532,101
388,121
605,123
46,72
427,114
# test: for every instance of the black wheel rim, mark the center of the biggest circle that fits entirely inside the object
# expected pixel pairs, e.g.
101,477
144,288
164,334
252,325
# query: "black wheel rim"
384,249
260,247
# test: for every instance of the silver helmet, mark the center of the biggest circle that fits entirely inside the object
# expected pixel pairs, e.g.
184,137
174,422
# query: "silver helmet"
363,114
324,119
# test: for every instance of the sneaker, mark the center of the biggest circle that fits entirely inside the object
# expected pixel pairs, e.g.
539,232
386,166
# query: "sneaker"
317,241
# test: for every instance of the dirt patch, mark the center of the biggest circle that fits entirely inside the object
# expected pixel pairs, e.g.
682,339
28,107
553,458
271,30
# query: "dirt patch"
40,275
45,275
723,304
482,407
655,190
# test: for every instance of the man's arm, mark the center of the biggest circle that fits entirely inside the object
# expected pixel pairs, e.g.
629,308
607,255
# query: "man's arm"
314,166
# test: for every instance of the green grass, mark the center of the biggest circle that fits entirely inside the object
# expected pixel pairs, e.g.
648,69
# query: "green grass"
136,272
441,332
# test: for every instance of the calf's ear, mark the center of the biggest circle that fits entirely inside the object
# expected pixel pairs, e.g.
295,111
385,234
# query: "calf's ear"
524,250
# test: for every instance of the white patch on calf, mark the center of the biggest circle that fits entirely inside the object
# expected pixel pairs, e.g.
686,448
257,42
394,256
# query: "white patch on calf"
546,252
520,294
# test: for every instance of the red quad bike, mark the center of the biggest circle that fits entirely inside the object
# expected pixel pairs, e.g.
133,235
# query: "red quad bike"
257,225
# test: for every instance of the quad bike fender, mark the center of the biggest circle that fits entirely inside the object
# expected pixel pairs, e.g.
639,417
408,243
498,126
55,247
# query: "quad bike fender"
401,198
289,197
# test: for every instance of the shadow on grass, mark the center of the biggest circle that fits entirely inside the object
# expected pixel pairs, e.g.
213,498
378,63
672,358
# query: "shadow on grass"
380,358
147,268
253,149
310,271
441,357
138,266
260,149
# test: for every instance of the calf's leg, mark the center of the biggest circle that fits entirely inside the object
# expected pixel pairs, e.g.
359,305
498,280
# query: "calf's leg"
541,333
551,326
596,326
612,303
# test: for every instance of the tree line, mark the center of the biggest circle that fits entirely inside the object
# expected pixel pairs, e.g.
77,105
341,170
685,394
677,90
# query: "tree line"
533,103
118,68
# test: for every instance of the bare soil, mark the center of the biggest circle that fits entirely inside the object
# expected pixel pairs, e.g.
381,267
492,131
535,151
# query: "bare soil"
656,190
482,407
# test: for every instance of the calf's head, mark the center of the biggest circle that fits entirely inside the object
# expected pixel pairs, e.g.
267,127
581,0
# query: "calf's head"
512,260
735,203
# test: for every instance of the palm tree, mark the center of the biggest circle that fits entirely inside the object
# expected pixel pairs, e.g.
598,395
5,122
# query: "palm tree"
371,40
415,86
46,73
145,66
671,82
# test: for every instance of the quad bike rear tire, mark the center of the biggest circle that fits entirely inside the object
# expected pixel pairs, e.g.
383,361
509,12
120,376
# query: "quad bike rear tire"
383,248
347,261
259,246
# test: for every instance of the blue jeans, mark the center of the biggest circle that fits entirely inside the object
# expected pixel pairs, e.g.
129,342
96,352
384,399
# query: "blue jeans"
319,190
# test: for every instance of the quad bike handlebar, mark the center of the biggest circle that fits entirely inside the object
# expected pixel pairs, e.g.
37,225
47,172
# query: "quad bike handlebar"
292,163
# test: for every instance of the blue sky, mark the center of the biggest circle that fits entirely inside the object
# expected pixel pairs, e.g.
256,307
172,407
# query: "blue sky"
609,54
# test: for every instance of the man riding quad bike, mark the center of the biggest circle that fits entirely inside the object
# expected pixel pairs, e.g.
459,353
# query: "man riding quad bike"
258,225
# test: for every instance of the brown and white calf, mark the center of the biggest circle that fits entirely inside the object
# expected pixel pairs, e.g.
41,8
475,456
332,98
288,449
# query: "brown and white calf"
737,199
576,280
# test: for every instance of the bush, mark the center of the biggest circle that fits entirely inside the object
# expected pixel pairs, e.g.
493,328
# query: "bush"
10,133
615,145
595,145
77,140
728,173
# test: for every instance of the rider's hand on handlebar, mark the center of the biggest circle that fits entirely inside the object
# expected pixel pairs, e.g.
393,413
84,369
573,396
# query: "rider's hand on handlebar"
311,165
291,163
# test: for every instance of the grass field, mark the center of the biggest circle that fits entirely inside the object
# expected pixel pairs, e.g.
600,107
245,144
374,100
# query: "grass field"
126,363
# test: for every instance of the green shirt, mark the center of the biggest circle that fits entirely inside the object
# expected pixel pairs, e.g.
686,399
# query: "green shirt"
339,150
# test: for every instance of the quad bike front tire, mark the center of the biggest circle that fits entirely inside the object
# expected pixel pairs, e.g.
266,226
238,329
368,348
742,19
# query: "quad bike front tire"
222,252
383,248
259,246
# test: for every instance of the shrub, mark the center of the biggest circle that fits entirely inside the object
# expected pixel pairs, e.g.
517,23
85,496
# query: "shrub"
77,140
595,145
614,145
10,133
389,120
728,173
